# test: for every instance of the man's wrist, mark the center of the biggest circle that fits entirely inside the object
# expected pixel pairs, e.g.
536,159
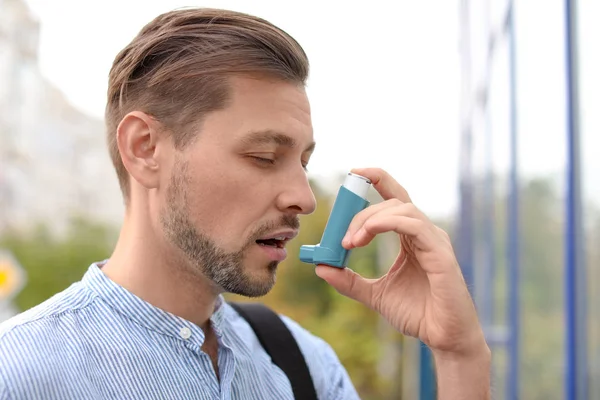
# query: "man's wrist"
466,375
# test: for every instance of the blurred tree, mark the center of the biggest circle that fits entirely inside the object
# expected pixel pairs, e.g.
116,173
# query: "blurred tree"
51,263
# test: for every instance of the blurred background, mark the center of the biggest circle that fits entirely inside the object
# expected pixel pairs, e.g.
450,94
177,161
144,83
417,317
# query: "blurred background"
487,111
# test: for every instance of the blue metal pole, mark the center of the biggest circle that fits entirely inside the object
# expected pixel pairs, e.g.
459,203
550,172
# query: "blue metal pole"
466,232
514,314
427,383
575,282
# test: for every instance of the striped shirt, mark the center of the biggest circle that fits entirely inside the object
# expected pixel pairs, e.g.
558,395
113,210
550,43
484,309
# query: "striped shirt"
96,340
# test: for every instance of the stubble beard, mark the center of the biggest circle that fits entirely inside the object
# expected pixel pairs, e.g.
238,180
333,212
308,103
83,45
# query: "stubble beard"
224,269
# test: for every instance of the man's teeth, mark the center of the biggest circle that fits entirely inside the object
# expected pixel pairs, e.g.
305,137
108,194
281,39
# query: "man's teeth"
280,238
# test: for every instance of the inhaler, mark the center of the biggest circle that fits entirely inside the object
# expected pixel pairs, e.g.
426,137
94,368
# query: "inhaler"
350,200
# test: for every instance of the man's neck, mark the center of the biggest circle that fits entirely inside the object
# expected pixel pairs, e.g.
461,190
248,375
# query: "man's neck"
147,267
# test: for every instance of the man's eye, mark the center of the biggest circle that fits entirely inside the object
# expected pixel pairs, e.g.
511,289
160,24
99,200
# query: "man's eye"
263,160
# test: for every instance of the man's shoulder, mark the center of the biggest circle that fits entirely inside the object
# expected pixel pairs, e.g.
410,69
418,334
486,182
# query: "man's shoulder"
35,345
314,348
328,373
310,344
53,310
329,376
39,329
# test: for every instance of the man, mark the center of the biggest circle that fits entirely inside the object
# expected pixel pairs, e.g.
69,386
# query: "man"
210,133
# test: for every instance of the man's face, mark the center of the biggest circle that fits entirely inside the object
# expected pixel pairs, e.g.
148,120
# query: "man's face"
237,190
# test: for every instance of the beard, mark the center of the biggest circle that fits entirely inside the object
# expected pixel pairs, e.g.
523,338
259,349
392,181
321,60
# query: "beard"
224,269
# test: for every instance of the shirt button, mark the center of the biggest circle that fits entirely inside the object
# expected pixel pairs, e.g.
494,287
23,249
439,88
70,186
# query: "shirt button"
185,332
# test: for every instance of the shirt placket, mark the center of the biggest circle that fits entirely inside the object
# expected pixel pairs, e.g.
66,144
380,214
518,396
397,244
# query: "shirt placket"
227,369
193,338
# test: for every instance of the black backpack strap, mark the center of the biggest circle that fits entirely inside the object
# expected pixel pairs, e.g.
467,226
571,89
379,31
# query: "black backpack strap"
279,343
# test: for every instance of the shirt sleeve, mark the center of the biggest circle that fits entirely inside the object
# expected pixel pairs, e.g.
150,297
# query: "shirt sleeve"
330,378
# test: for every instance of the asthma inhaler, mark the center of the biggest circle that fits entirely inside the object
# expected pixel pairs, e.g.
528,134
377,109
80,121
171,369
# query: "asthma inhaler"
350,200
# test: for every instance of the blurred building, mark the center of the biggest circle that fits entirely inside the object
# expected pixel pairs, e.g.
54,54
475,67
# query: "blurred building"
54,163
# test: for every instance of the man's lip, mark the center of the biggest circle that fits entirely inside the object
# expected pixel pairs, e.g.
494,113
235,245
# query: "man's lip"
288,235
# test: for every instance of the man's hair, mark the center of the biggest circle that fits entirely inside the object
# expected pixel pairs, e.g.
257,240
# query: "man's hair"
176,70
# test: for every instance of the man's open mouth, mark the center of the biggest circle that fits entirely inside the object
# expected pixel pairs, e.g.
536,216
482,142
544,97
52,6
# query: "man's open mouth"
273,242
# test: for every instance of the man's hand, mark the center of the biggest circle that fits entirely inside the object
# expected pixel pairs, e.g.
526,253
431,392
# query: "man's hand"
423,294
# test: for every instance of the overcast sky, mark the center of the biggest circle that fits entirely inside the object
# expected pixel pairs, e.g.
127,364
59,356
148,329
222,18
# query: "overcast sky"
385,80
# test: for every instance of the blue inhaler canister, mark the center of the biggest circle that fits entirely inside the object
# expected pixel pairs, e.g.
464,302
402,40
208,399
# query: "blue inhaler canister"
350,200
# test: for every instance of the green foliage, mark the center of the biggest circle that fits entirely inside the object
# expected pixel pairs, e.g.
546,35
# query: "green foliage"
52,264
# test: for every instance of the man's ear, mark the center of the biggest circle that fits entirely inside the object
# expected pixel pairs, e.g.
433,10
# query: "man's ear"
137,138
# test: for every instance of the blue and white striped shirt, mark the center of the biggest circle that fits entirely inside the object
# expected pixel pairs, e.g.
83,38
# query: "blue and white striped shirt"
96,340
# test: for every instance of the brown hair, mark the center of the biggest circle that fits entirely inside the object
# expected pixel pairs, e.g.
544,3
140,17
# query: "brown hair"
176,69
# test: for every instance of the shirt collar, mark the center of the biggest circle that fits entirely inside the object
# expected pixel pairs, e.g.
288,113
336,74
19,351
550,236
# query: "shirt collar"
146,314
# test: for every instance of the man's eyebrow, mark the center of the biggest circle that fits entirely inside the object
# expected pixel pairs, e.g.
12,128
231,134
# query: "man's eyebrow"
269,137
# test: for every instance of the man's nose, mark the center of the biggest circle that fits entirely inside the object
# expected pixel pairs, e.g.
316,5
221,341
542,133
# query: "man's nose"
297,196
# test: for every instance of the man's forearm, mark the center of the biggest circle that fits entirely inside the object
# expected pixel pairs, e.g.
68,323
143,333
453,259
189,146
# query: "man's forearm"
464,378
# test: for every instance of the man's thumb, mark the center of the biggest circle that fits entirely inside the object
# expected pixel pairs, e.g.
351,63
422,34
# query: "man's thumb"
347,283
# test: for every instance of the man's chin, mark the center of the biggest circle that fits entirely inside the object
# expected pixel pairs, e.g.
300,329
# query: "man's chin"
257,284
252,291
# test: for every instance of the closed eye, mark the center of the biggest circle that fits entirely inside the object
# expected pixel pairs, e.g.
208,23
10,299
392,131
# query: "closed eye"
270,161
263,160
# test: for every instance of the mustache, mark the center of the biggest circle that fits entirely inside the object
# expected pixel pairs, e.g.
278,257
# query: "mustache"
285,222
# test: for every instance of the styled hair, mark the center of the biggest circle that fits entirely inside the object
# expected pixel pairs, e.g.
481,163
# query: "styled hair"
176,70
